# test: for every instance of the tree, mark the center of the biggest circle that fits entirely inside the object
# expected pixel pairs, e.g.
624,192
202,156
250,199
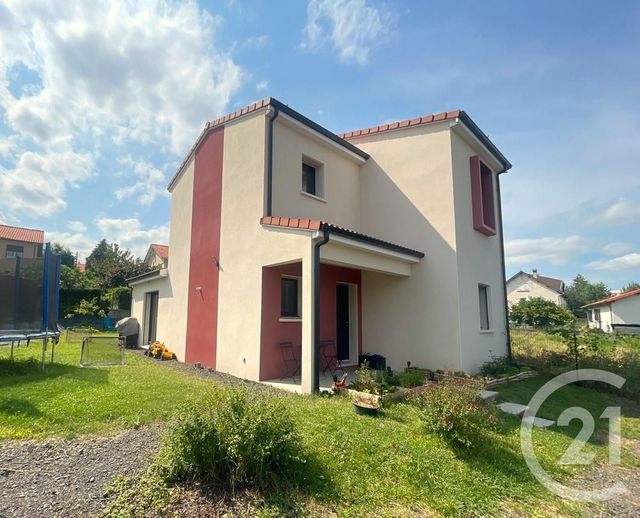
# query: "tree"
538,312
68,259
112,265
73,279
582,292
630,286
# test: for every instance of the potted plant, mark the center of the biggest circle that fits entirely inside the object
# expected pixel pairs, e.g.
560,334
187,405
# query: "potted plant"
365,403
365,391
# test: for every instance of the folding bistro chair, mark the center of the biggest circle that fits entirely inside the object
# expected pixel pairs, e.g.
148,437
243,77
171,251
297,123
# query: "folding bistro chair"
291,363
329,356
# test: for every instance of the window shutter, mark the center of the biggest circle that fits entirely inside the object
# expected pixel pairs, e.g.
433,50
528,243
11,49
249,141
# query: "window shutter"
482,199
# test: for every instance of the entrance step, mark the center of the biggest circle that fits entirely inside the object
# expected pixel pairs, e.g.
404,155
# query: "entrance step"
539,422
513,408
488,395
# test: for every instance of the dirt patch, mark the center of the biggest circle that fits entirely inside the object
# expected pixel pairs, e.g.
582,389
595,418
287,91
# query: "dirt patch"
67,477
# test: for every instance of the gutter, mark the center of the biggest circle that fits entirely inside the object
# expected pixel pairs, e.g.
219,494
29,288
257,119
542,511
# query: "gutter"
272,113
504,270
315,373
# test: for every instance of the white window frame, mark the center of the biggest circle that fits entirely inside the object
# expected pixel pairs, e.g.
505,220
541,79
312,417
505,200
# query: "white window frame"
319,177
299,285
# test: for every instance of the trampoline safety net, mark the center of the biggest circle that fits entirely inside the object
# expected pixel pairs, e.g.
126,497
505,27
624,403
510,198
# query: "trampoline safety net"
102,350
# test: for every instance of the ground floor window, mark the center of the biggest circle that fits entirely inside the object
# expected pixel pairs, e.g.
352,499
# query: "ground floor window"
290,297
483,296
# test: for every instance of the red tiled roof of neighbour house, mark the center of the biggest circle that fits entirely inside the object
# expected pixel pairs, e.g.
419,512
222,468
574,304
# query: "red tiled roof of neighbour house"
28,235
316,224
613,298
417,121
161,250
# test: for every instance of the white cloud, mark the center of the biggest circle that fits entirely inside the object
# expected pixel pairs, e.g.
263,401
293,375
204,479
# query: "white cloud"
555,250
622,211
618,248
352,26
76,226
624,262
39,181
261,86
256,42
111,72
130,233
75,241
149,184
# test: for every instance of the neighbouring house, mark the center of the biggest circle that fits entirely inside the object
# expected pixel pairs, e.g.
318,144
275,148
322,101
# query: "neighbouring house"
157,256
525,285
386,240
20,242
618,313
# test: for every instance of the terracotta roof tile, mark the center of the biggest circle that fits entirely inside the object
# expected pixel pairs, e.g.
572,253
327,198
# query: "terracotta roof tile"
28,235
316,224
427,119
613,298
161,250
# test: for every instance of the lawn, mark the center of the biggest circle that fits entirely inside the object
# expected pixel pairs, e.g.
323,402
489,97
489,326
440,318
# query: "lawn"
386,465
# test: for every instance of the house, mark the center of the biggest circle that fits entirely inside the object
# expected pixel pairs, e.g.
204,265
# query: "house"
20,242
157,256
618,313
385,240
525,285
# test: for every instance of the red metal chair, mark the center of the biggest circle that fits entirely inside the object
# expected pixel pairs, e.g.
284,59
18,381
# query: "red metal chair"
329,356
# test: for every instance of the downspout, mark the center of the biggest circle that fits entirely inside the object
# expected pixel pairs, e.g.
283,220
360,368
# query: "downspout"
272,114
315,374
504,270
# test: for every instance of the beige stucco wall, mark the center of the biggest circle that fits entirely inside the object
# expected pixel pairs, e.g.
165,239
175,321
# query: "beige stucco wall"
407,197
341,204
245,247
172,313
30,249
165,304
478,262
522,287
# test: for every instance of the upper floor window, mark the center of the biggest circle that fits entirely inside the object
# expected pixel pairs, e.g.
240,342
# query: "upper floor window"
312,178
15,251
483,202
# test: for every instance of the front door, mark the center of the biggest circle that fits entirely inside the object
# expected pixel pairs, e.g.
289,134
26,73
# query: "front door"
342,321
151,317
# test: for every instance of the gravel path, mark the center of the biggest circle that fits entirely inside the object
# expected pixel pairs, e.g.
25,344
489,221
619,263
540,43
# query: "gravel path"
67,477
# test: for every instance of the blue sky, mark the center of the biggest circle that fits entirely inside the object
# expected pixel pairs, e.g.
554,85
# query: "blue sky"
99,102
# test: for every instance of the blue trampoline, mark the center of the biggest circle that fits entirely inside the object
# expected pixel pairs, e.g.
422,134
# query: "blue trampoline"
29,301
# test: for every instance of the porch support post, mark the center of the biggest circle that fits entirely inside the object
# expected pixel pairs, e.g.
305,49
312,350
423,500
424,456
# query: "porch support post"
308,321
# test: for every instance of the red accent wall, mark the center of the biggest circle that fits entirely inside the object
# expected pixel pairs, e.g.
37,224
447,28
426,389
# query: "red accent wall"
273,331
202,312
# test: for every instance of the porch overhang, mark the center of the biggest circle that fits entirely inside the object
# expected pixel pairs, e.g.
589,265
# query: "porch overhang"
348,248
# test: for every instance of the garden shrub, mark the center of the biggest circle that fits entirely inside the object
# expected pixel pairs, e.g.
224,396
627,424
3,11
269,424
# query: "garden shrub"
453,410
410,379
234,439
499,367
365,380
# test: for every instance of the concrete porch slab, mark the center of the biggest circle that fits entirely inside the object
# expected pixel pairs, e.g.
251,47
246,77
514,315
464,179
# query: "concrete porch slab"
513,408
539,422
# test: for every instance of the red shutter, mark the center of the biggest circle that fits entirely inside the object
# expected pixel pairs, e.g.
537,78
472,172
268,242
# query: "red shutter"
482,202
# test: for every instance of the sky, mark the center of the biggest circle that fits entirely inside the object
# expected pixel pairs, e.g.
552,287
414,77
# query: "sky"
101,101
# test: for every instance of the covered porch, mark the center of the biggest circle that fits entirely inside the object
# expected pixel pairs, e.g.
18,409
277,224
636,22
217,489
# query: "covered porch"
311,321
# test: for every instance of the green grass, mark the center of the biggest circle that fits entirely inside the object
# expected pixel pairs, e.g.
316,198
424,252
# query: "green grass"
383,466
69,400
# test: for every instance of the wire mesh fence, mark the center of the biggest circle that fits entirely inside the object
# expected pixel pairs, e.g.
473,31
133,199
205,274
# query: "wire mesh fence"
102,351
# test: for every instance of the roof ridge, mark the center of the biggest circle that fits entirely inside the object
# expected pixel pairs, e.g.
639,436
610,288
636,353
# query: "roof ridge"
613,298
415,121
